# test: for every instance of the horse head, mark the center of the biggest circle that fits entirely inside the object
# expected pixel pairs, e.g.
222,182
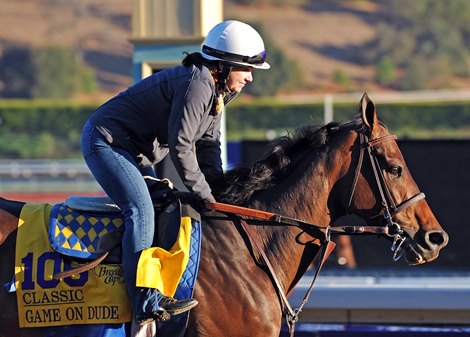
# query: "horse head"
383,192
321,175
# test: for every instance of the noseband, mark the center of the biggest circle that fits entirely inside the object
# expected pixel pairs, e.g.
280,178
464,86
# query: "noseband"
389,208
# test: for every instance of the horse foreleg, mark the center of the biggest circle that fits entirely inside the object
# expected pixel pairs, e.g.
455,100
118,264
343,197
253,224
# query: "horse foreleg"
8,224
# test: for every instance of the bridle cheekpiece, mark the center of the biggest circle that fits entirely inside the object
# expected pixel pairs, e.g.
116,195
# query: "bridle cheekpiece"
389,207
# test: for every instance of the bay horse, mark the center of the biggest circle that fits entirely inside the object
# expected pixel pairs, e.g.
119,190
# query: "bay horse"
318,176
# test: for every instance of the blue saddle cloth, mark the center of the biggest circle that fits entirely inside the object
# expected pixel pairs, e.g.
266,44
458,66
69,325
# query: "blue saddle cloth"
77,233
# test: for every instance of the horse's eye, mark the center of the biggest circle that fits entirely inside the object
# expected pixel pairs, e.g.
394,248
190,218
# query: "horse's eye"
395,171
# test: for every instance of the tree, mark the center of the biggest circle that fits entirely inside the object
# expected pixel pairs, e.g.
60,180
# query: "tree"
284,72
17,73
46,72
386,71
437,33
415,77
341,78
59,73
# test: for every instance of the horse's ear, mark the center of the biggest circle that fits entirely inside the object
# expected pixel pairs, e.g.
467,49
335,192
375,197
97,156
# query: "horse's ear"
368,113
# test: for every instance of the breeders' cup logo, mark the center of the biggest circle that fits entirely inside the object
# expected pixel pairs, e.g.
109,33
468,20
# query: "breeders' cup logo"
109,274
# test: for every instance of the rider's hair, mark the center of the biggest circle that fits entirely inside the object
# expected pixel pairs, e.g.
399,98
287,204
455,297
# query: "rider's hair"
197,60
220,70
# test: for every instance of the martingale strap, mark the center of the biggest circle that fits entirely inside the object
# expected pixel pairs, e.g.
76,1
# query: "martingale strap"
291,315
327,247
276,281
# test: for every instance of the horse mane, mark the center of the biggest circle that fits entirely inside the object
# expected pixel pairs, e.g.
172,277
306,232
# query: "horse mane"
242,182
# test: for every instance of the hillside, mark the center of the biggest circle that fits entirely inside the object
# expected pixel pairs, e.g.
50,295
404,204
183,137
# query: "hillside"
318,34
97,30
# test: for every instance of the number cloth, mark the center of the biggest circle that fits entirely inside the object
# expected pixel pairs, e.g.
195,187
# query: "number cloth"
96,296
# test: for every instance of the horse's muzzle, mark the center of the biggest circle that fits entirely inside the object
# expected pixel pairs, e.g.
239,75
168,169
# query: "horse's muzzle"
420,252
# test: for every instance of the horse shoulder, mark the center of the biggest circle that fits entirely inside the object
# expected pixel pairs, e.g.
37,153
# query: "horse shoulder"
235,293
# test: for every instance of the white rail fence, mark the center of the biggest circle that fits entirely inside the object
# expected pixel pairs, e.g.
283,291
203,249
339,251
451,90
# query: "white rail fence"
28,168
432,300
379,97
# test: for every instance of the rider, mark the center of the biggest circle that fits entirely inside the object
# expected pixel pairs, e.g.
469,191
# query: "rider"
172,111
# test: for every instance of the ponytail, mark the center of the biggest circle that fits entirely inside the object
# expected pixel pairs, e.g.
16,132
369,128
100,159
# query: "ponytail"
193,59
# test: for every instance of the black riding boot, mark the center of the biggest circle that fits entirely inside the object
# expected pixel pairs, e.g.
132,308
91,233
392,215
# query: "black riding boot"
176,307
152,305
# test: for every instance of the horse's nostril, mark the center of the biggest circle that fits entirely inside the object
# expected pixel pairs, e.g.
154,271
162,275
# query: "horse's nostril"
437,238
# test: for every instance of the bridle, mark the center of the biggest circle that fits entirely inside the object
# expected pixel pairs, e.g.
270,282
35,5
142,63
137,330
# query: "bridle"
389,208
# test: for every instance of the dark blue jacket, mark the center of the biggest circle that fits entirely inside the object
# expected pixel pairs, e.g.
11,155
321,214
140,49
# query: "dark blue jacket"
172,111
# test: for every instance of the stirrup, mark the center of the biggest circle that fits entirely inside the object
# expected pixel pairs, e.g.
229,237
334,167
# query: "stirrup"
176,307
159,315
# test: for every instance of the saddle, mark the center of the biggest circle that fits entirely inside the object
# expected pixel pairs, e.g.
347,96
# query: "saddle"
91,228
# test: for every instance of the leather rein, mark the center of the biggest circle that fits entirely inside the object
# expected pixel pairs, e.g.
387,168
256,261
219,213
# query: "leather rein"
389,208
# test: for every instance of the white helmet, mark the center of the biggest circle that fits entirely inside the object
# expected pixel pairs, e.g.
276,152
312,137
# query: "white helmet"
237,43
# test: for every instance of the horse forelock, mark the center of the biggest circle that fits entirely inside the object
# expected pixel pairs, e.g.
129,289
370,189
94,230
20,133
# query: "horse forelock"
243,182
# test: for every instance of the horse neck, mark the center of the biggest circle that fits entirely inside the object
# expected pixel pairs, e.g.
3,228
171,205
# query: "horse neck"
305,199
305,193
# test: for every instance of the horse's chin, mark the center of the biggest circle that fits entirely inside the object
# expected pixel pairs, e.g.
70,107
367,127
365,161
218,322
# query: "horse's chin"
415,254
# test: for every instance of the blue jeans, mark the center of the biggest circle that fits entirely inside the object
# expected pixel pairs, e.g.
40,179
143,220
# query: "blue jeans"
122,179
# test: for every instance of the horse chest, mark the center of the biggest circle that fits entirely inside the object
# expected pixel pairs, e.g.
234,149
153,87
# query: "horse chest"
239,298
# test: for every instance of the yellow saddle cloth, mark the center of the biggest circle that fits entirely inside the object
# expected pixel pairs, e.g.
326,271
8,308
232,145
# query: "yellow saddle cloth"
162,269
96,296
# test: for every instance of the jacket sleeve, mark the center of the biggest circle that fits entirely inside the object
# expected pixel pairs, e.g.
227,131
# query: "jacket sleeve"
190,104
208,151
